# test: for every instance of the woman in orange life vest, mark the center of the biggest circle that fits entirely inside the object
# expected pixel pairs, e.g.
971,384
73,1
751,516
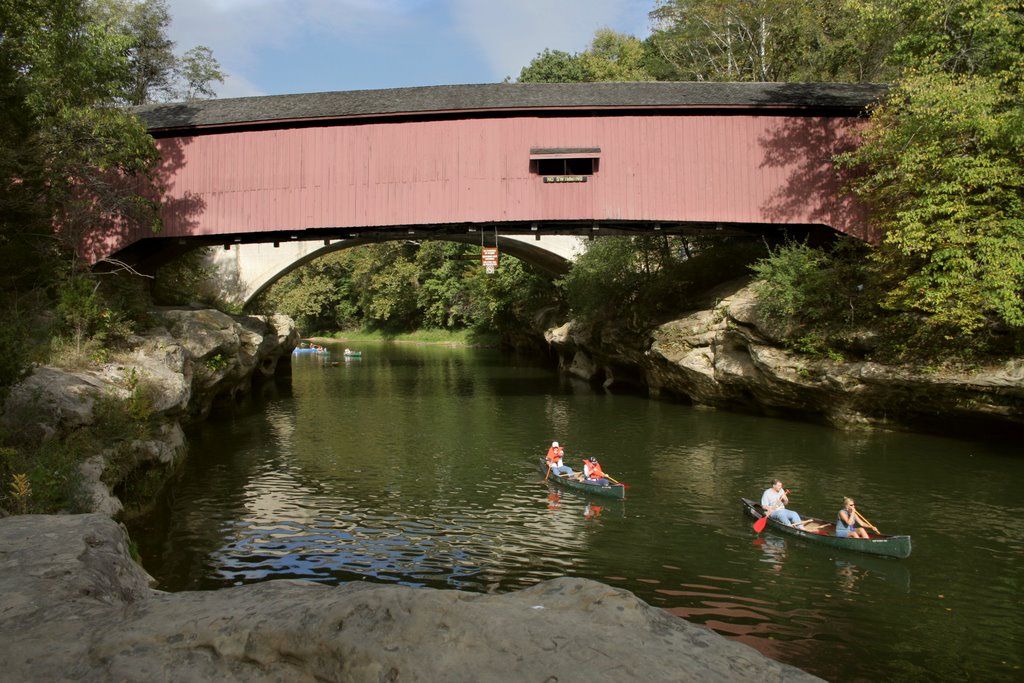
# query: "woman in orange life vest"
554,458
592,472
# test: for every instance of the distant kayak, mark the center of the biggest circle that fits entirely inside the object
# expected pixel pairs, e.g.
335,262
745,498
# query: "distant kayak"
306,349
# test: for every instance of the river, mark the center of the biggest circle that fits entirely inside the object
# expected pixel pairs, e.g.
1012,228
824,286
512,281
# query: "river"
416,465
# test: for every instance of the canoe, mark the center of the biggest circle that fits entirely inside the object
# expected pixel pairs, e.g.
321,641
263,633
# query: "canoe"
822,532
308,350
609,491
353,354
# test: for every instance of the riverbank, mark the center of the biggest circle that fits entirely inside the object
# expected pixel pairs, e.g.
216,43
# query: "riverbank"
724,356
76,607
442,337
118,426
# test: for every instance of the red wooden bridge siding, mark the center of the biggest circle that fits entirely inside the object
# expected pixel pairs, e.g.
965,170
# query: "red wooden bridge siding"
666,166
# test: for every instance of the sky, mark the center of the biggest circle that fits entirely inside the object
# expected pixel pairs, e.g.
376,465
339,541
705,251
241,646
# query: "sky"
277,47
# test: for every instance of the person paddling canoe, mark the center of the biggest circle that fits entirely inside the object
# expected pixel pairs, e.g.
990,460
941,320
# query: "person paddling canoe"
848,524
555,464
774,500
592,472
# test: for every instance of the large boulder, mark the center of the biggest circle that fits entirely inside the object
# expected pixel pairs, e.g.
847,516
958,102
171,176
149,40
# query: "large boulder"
725,356
73,607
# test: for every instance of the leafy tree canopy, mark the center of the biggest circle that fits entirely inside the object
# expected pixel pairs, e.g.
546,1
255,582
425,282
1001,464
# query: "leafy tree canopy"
154,72
943,166
611,57
68,145
398,287
767,40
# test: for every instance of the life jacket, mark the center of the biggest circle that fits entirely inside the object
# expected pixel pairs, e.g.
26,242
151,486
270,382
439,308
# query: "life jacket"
554,455
594,471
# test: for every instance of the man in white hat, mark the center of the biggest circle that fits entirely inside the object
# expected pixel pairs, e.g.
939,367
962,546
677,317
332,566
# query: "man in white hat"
554,458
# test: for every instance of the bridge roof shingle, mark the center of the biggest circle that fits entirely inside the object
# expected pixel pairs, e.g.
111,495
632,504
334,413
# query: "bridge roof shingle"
507,97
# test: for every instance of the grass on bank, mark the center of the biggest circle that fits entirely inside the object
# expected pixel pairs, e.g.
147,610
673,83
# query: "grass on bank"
429,336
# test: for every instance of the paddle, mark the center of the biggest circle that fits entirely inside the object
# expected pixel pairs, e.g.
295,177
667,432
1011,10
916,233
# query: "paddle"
613,479
549,471
760,524
866,522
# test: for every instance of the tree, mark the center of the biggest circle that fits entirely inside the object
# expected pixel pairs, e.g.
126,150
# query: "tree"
71,154
766,40
555,66
154,72
611,57
615,57
943,166
197,70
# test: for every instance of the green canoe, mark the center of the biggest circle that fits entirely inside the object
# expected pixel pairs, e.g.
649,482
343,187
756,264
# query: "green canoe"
820,531
609,491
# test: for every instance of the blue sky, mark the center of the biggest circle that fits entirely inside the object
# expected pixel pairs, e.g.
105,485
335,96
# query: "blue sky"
272,47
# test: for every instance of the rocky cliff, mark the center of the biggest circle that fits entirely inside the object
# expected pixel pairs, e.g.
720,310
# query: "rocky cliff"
723,356
189,361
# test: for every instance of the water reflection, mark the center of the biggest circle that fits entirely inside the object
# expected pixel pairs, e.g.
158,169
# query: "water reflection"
416,466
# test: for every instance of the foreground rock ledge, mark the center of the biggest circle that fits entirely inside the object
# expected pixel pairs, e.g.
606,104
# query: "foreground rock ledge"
73,606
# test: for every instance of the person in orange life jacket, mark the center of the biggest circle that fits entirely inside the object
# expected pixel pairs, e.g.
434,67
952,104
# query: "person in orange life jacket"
592,472
554,458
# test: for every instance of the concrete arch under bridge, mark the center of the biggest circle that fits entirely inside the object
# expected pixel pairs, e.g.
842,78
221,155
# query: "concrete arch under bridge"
528,160
243,271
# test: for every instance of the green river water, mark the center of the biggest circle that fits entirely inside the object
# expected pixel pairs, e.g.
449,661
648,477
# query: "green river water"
416,465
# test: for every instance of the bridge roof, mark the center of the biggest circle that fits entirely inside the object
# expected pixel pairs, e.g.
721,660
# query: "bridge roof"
507,99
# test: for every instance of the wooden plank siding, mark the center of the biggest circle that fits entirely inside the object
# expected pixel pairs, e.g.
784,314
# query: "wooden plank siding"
747,168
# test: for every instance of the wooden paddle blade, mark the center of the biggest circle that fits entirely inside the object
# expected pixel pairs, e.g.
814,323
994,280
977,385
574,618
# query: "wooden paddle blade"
760,524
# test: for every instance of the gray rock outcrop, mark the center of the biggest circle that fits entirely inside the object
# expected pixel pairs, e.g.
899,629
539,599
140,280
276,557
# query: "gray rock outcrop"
187,363
74,607
725,357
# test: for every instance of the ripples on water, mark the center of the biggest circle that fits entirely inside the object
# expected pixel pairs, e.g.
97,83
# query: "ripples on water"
417,467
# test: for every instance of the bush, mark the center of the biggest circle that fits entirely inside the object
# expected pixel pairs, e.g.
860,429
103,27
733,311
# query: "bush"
650,279
828,301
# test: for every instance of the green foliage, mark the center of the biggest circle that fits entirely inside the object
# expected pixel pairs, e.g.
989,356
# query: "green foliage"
650,279
15,351
781,40
186,280
52,469
73,156
216,363
152,71
505,304
399,287
443,296
611,57
555,66
817,293
47,476
79,308
197,70
95,320
942,168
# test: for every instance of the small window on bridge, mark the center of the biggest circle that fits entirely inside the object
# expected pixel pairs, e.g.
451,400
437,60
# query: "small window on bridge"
565,161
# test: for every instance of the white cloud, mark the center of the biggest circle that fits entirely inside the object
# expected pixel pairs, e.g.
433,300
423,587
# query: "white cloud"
273,46
511,34
240,32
